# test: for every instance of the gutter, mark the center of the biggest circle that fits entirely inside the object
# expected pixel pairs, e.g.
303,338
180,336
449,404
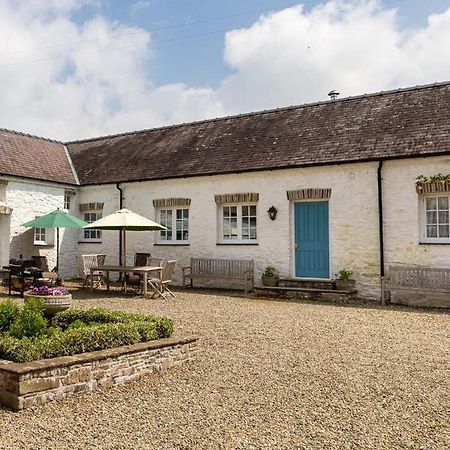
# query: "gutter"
380,215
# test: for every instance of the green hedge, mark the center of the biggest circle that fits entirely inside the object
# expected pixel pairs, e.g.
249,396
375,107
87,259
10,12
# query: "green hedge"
78,331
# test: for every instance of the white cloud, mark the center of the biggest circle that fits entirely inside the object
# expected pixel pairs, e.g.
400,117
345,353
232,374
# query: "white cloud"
293,57
102,84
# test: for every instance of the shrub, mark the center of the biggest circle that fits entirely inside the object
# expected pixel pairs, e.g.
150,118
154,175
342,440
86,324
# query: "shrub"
8,314
31,321
19,350
77,331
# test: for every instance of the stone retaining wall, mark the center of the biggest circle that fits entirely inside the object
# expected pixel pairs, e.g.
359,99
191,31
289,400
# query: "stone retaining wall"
23,385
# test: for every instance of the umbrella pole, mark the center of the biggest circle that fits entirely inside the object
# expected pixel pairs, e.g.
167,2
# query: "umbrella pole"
57,250
124,247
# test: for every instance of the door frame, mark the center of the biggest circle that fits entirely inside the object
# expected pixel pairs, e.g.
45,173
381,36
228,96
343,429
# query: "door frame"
292,243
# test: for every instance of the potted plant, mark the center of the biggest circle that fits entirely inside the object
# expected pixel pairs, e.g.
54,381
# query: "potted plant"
344,281
270,276
55,298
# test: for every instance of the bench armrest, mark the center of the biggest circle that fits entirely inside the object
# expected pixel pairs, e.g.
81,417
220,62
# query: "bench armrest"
185,268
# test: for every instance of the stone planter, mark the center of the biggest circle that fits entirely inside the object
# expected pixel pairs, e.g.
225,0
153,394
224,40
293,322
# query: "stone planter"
345,285
270,281
52,303
23,385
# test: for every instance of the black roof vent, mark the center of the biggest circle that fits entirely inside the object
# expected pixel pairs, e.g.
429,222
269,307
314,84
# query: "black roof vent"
333,94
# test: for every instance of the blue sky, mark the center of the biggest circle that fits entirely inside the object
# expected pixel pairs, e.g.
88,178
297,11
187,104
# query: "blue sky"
199,60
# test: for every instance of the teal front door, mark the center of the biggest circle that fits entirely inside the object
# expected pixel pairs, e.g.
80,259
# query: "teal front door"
312,240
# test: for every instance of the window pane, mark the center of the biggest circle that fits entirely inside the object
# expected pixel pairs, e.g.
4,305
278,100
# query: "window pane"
431,217
443,217
226,228
90,217
443,231
431,231
443,202
253,210
245,210
431,203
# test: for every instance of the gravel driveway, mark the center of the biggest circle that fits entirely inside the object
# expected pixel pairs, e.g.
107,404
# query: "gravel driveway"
268,375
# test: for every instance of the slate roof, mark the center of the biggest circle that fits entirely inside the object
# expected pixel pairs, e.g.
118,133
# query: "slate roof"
396,124
23,155
388,125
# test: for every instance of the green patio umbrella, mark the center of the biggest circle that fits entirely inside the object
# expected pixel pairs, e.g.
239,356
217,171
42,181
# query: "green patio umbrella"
56,219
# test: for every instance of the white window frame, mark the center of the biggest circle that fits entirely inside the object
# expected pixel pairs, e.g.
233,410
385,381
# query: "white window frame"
423,220
239,239
67,200
174,220
90,231
40,235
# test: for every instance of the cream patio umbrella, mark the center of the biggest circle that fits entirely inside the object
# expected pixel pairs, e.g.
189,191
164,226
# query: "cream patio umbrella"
125,220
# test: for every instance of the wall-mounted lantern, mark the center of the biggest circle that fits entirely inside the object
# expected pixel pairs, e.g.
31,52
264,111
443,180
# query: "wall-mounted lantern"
272,211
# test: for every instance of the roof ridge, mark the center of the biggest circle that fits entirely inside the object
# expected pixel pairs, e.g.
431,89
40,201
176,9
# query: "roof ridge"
265,111
21,133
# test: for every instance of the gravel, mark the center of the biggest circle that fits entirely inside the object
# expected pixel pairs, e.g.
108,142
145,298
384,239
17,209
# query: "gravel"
268,375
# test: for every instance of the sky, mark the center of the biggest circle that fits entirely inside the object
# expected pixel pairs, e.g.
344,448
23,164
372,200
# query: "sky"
73,69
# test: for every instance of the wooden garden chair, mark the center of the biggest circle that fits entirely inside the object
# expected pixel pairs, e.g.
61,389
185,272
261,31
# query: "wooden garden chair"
98,277
160,285
132,279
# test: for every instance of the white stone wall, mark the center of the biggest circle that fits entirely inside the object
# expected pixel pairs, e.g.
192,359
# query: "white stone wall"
401,213
353,217
30,199
353,208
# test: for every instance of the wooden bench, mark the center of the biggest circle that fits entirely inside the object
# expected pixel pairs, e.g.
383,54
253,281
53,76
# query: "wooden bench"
415,279
230,269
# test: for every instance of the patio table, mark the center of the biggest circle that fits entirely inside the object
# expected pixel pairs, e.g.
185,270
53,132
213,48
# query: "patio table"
144,270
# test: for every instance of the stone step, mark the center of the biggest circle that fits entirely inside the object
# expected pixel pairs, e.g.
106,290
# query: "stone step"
307,284
307,293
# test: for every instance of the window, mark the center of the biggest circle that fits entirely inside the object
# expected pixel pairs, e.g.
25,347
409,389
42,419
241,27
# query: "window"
39,236
436,226
238,223
176,220
90,217
67,197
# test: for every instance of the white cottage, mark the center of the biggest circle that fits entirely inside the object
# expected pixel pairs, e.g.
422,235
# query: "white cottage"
339,175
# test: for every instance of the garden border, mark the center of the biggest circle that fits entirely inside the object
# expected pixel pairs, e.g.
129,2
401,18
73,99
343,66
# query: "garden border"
27,384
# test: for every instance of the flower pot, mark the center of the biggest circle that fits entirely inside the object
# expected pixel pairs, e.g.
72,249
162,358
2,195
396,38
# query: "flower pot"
345,285
269,281
52,303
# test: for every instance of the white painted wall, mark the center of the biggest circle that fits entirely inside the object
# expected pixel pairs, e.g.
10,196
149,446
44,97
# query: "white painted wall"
353,217
401,213
354,237
30,199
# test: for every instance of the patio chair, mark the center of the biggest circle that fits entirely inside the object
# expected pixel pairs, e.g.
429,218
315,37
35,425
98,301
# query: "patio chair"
41,263
22,275
98,276
130,279
161,285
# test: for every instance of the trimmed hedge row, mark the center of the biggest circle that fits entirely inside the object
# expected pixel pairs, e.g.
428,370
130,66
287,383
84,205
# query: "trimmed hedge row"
78,331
